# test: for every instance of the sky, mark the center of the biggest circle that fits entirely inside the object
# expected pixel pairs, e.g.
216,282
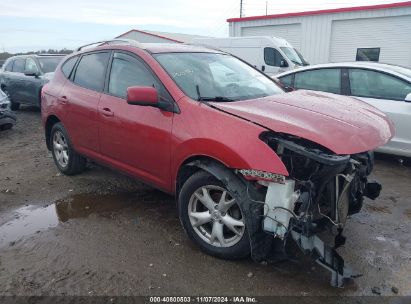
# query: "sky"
29,25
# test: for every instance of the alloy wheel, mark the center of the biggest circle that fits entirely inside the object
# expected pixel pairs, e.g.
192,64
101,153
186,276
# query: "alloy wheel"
60,148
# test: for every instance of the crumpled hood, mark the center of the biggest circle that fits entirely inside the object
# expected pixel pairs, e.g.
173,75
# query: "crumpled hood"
342,124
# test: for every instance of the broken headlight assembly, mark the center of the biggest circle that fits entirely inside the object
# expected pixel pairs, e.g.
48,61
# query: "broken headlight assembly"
321,191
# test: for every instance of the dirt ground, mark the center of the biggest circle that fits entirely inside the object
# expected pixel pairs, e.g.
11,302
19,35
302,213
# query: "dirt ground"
102,233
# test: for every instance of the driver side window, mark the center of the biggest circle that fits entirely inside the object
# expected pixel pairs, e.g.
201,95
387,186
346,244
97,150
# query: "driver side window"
30,66
272,57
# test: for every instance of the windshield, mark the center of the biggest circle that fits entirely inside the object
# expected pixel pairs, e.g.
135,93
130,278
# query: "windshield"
217,77
294,56
49,64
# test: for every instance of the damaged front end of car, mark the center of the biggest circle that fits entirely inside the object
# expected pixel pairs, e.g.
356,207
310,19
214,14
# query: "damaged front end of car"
322,189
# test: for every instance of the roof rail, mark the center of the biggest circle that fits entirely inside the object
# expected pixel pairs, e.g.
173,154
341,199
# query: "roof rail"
112,41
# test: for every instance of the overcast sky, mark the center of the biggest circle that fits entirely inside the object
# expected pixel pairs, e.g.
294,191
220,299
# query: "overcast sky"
27,25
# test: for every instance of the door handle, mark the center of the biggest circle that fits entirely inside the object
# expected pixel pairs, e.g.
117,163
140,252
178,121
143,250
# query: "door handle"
106,112
63,99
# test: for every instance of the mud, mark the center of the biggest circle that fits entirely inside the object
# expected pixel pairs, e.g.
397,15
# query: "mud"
102,233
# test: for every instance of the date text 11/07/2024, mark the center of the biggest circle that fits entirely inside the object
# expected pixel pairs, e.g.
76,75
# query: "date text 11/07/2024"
204,299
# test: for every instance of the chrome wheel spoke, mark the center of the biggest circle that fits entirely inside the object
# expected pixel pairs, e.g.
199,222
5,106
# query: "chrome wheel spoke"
60,148
224,204
217,233
205,198
200,218
232,223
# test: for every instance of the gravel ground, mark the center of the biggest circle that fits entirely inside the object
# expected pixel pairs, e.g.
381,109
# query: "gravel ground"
102,233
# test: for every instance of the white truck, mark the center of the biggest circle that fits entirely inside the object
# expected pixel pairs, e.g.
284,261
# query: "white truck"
271,55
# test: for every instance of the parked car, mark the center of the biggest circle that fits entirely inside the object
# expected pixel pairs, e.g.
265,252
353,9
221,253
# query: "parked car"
22,77
386,87
271,55
7,118
247,162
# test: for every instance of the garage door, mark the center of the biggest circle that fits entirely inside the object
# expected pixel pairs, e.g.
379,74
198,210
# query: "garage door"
290,32
391,34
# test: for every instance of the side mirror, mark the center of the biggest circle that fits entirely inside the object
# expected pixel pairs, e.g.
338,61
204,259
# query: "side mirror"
142,96
288,89
408,97
283,63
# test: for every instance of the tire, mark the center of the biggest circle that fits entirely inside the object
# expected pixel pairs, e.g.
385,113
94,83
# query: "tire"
68,161
14,106
205,225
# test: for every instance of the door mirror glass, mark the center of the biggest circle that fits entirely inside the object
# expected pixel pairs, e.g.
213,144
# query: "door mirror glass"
408,97
142,96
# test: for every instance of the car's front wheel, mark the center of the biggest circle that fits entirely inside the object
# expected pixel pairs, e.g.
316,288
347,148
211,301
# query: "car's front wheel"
67,160
212,217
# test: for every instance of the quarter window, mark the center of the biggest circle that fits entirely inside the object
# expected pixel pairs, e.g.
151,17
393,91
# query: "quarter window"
68,66
126,71
327,80
90,72
273,57
373,84
18,65
287,80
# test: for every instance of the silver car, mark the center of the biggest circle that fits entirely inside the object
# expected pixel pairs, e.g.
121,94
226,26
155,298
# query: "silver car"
387,87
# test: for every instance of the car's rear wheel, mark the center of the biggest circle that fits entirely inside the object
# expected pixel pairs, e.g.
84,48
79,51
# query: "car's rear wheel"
67,160
14,106
212,218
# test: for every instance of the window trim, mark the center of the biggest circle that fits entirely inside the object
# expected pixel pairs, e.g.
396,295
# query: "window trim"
368,48
72,76
325,68
377,71
174,105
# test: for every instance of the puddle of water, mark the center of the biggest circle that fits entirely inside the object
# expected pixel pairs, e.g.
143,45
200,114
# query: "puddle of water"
31,219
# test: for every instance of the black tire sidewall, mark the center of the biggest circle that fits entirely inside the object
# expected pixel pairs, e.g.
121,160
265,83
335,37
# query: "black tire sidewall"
71,153
197,180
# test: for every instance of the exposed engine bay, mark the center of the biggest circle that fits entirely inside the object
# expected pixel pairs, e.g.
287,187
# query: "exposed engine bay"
321,191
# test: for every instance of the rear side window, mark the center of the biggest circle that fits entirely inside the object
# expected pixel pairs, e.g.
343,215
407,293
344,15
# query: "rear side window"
272,57
326,80
68,66
126,71
372,84
18,65
90,72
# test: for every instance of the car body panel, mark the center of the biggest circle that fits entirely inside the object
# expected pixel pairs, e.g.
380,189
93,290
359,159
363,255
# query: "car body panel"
399,111
355,126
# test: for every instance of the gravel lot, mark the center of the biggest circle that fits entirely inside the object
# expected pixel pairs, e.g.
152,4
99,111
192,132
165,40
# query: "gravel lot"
102,233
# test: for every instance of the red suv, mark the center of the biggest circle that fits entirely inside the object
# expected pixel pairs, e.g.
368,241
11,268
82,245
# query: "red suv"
251,166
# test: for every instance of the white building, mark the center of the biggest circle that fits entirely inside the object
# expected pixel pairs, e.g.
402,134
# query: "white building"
158,37
378,32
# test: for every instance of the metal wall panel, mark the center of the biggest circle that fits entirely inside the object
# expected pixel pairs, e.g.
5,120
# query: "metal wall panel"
316,32
391,34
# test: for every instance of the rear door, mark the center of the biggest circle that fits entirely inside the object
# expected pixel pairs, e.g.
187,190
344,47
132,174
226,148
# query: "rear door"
387,93
80,98
135,138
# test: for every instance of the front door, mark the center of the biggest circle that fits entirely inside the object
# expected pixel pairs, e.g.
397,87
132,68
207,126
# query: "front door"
135,138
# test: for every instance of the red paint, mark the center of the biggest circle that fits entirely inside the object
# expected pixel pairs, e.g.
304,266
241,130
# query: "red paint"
326,11
151,144
144,95
151,34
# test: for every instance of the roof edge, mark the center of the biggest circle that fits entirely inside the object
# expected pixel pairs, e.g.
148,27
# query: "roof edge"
151,34
325,11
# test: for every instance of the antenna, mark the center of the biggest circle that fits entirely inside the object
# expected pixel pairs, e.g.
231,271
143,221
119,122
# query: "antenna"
241,8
